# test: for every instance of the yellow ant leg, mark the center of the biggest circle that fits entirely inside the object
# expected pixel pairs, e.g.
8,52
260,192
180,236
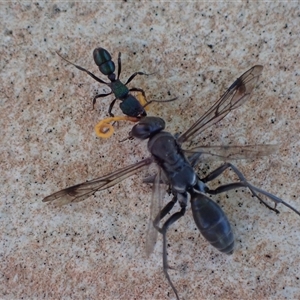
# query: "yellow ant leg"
142,100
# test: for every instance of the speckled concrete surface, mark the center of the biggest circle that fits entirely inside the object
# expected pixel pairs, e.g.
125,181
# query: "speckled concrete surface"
95,249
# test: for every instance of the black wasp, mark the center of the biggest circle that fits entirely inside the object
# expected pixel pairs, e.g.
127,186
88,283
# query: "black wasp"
176,169
132,107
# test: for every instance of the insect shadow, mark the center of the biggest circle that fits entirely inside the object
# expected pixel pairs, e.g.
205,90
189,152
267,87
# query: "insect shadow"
176,169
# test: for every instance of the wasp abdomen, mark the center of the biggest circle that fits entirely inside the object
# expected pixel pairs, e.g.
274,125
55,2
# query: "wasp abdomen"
212,223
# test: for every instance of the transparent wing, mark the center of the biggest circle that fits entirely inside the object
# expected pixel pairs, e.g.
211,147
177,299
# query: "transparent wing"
224,153
237,94
155,208
82,191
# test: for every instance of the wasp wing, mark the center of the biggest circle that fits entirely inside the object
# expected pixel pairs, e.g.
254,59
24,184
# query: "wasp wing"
225,153
155,208
237,94
82,191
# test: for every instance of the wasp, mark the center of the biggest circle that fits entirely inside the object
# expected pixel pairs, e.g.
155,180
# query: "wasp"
176,168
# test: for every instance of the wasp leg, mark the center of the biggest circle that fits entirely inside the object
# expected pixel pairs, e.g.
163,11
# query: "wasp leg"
194,158
164,212
235,185
176,216
243,183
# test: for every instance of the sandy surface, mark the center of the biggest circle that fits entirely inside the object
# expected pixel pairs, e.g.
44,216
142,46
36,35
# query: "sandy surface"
95,249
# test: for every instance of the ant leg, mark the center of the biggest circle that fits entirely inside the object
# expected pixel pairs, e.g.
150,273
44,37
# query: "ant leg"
146,103
138,90
243,183
119,65
111,107
84,70
99,96
160,101
143,94
135,74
